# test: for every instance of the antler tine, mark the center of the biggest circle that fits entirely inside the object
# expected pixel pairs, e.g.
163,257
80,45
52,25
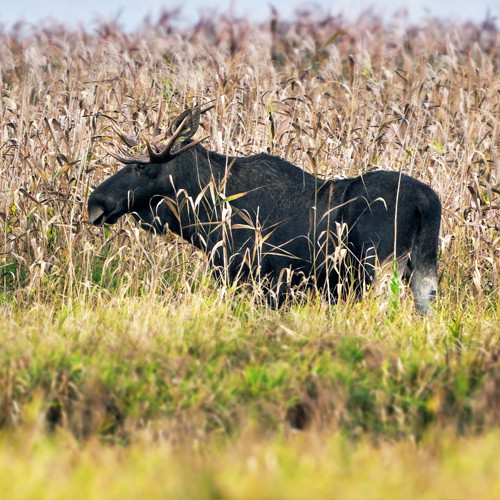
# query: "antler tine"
190,145
178,130
152,154
128,140
178,121
165,152
208,108
128,160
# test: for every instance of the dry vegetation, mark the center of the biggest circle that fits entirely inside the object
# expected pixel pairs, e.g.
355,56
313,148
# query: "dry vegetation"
115,334
337,99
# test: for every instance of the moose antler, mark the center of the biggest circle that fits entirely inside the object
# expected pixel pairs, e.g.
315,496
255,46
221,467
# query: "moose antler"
127,139
183,128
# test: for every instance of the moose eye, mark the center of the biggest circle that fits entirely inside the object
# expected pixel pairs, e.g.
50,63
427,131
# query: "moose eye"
141,166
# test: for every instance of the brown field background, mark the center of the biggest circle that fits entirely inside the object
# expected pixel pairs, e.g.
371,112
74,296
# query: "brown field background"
335,99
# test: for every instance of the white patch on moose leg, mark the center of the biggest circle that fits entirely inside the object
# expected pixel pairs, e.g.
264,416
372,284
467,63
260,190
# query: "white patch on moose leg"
424,287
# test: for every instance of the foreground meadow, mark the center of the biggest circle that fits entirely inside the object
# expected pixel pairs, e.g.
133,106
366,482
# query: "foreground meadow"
126,370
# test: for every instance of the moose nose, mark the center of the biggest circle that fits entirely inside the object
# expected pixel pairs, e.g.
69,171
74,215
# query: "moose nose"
97,209
96,215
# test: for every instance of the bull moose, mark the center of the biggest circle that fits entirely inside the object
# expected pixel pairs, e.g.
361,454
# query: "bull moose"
262,217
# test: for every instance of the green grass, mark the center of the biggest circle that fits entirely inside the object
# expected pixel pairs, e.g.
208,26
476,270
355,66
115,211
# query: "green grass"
138,396
123,363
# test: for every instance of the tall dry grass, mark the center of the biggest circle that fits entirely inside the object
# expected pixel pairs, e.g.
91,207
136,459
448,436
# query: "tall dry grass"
335,98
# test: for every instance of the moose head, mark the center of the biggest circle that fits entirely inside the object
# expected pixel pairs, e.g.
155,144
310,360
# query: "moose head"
146,179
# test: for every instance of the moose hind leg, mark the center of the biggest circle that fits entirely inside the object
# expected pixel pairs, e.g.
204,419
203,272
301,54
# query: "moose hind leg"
423,259
424,276
424,287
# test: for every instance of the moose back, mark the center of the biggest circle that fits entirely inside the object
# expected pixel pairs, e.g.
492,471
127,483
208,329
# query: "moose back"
260,217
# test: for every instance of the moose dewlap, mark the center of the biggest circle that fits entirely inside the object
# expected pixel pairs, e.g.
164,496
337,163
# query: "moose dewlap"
260,217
